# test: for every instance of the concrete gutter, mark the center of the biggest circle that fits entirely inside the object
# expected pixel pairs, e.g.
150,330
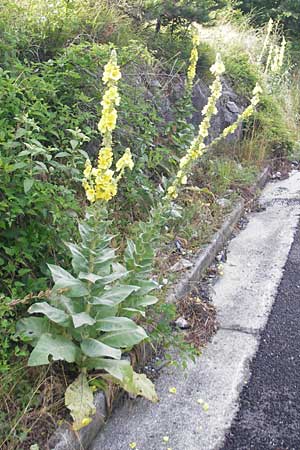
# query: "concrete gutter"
65,438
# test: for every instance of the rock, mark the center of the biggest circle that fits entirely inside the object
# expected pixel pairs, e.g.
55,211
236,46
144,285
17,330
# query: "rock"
181,265
223,202
182,323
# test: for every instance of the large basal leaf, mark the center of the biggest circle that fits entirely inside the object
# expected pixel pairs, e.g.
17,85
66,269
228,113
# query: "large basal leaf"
64,280
118,294
81,319
115,324
125,338
121,370
57,347
93,348
146,286
32,328
54,314
79,400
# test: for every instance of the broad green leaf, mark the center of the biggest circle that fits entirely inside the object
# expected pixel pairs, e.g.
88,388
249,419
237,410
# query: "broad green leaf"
118,369
64,280
146,301
139,384
28,183
124,338
81,319
79,261
146,286
92,277
58,347
54,314
104,311
94,348
116,324
113,277
107,256
101,301
32,328
79,400
118,294
133,311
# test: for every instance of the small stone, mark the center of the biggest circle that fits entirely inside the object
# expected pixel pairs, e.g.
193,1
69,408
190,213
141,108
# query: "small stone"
223,202
182,323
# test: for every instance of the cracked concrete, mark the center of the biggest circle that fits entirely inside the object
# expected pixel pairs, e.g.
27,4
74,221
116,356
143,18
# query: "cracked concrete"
244,297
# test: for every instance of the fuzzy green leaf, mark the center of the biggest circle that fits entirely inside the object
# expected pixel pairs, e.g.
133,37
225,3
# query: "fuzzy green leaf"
80,401
118,369
116,324
81,319
140,385
79,261
118,294
54,314
58,347
146,301
64,280
94,348
32,328
125,338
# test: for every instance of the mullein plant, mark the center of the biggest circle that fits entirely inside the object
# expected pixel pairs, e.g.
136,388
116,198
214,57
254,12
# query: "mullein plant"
88,319
198,146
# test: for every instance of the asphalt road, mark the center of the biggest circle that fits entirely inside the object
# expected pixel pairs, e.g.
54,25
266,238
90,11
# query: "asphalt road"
269,415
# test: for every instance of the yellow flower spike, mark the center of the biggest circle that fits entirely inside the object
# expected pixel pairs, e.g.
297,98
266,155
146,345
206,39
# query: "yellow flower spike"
198,145
112,71
191,72
166,439
100,182
173,390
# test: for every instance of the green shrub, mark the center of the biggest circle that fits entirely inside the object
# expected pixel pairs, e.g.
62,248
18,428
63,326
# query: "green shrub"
242,73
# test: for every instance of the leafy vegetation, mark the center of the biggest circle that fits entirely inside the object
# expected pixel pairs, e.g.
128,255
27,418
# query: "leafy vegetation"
55,82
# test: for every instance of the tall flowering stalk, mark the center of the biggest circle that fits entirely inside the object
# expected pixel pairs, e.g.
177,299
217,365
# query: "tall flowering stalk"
191,72
100,182
269,59
197,146
267,39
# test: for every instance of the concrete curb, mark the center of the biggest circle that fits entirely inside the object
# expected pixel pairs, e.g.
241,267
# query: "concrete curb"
206,256
65,438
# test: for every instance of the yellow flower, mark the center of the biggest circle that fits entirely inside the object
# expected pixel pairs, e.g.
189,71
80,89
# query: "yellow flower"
108,121
111,69
183,179
172,192
110,97
105,158
125,161
218,68
132,445
88,169
86,421
166,438
172,390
